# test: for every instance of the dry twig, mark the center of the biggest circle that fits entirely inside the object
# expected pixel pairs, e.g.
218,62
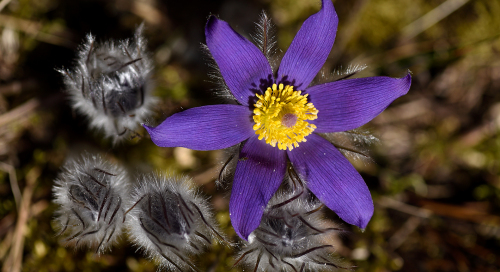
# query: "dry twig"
14,260
13,182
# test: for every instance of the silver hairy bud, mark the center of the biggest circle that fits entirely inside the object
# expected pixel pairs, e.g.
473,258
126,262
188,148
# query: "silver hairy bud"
170,221
91,194
111,85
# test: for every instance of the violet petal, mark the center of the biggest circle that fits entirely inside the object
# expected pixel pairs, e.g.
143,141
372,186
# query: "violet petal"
348,104
204,128
310,48
243,66
258,175
332,178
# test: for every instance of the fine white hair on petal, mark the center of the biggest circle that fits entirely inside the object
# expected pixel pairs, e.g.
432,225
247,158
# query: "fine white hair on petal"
91,194
339,73
220,87
352,69
353,144
291,237
111,84
170,221
265,39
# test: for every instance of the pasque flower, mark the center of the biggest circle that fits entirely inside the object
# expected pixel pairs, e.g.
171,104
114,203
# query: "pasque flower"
91,193
111,84
277,118
170,221
292,236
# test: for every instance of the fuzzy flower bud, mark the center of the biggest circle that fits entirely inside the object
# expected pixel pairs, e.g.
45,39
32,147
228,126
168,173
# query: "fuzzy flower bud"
91,193
169,221
111,84
290,237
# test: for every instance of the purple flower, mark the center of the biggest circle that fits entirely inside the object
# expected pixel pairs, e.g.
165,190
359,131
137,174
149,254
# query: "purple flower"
279,122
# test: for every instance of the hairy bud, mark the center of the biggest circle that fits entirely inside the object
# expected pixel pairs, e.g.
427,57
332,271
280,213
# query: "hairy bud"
111,84
170,221
290,237
91,193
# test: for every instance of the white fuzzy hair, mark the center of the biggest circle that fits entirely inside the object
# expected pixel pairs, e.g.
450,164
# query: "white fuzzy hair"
170,221
111,85
91,194
290,237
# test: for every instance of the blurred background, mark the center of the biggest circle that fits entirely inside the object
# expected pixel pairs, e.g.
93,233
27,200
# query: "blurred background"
435,178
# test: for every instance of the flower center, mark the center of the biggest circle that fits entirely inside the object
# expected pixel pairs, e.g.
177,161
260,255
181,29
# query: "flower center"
281,116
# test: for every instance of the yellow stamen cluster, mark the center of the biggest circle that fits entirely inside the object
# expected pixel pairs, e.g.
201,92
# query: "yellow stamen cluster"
280,117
